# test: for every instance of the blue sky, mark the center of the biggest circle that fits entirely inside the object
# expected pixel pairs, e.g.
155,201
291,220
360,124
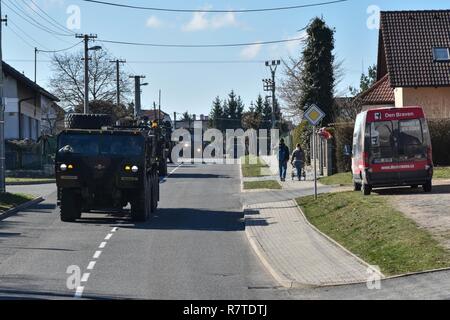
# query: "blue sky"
192,87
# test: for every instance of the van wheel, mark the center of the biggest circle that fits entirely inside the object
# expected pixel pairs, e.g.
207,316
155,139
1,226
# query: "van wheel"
428,187
356,186
366,189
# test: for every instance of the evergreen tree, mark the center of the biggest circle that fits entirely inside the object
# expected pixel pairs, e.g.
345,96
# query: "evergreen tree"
267,115
318,78
217,114
259,107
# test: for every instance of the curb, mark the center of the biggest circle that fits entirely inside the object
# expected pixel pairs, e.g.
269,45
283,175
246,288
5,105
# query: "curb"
30,183
19,208
279,277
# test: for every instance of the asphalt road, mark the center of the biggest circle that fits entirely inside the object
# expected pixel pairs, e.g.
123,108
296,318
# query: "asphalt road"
194,248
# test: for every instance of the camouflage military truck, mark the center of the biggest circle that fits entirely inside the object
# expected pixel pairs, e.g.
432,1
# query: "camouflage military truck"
103,168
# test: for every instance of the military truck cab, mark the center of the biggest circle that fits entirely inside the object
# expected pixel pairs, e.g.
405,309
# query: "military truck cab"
105,169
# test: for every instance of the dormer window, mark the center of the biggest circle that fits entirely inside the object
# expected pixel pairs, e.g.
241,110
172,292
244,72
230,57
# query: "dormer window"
441,54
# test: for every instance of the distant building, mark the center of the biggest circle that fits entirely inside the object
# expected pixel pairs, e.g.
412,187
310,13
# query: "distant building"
189,124
153,115
24,102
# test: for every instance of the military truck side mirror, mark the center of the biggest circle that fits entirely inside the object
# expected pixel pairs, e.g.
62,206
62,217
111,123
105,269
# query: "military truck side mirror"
347,150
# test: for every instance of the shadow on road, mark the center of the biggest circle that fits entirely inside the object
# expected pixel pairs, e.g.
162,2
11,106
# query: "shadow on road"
193,219
197,176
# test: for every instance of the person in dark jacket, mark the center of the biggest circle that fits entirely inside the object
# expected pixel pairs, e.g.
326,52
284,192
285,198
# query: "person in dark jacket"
283,159
298,158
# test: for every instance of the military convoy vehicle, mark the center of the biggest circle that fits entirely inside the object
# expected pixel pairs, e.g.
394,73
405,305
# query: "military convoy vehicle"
102,167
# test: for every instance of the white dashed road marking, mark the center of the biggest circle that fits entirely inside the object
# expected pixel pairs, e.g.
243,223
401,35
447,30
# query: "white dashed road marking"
97,254
108,236
102,245
79,292
85,277
91,265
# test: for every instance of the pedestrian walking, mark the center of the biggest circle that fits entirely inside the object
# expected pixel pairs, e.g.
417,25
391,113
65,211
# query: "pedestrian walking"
298,159
283,159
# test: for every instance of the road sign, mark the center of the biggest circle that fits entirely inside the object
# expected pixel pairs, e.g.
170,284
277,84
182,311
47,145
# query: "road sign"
314,115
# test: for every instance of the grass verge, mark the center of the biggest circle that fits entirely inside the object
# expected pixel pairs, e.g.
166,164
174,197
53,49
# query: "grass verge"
343,179
30,180
253,167
266,184
441,173
373,230
10,200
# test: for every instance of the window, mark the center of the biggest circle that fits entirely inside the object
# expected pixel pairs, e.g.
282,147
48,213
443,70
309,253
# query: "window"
441,54
382,142
411,141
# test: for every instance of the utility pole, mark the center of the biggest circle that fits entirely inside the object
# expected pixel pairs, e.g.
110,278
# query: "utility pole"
118,62
137,93
273,65
86,38
35,64
159,109
2,108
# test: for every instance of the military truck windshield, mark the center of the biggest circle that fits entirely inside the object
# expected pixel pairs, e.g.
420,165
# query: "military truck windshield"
92,145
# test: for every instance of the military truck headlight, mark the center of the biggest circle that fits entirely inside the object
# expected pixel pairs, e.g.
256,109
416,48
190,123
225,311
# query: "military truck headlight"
134,169
63,167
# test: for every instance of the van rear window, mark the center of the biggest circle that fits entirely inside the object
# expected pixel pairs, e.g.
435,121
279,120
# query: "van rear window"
382,141
411,140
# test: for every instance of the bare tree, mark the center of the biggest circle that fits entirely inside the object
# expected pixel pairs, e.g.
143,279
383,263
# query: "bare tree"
291,88
52,119
67,80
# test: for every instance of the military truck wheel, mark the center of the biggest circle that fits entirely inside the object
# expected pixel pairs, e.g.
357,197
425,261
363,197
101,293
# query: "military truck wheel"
140,205
163,168
155,193
87,121
70,206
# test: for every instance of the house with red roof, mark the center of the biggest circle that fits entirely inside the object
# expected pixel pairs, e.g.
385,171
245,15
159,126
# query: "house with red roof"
413,62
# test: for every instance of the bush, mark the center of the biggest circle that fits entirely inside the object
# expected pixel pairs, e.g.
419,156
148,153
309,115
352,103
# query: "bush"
440,139
343,135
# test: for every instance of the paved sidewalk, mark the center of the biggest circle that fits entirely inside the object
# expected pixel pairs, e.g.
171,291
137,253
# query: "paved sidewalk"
294,252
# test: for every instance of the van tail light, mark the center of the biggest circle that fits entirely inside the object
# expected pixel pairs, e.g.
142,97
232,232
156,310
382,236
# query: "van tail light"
365,160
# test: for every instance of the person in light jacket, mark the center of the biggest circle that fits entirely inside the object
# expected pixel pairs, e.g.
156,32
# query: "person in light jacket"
298,159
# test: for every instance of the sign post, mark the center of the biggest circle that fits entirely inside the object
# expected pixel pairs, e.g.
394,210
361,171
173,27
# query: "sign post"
314,115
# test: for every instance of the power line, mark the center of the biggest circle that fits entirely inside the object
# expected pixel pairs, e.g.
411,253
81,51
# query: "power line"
300,6
61,50
201,45
33,21
33,6
24,33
